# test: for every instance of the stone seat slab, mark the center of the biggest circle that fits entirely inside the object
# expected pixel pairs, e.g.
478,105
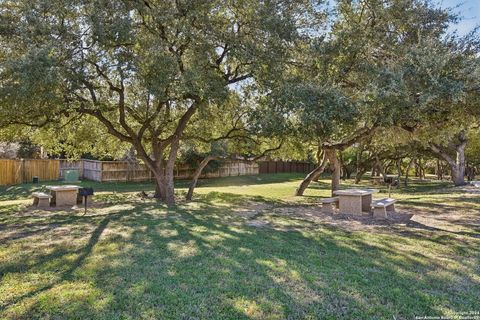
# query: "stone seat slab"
41,199
382,206
327,204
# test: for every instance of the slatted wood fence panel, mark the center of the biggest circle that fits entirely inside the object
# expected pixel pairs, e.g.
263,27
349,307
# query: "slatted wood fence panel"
45,170
10,172
285,166
21,171
92,170
116,171
124,171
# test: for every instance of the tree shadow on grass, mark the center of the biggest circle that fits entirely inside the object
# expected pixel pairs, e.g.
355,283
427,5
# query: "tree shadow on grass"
418,225
73,266
202,262
433,207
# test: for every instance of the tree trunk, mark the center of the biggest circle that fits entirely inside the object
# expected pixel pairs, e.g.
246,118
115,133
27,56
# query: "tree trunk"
169,173
169,187
387,165
311,176
159,189
342,166
332,157
399,170
458,170
348,173
359,175
358,162
458,176
380,168
164,188
470,171
457,165
439,170
407,171
196,175
320,160
163,172
421,169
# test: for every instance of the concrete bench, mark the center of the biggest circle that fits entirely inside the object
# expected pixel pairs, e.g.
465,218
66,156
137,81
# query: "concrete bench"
328,203
382,206
41,199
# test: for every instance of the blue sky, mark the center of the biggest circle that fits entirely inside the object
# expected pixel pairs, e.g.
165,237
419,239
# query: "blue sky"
469,11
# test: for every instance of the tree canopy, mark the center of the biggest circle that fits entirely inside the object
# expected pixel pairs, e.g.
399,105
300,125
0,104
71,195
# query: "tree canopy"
237,78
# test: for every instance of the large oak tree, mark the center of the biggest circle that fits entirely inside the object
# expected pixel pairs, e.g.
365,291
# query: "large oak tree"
141,68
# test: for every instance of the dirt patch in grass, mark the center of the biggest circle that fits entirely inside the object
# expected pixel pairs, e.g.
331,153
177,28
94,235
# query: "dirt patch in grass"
439,219
348,222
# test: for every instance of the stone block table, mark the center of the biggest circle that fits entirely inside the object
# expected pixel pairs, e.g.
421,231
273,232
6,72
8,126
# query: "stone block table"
355,201
63,195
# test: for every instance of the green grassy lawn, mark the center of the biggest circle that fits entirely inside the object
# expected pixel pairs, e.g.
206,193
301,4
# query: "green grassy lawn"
244,249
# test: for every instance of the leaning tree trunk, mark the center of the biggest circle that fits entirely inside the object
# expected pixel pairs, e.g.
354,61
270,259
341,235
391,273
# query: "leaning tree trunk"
320,158
197,175
311,176
207,159
332,157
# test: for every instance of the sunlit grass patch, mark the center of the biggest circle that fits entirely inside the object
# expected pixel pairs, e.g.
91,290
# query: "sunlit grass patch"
208,259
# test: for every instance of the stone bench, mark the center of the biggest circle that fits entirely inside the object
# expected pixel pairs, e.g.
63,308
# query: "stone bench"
41,199
327,204
382,206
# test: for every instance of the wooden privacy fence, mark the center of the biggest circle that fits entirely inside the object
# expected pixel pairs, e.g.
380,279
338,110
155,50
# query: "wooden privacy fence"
115,171
285,166
21,171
